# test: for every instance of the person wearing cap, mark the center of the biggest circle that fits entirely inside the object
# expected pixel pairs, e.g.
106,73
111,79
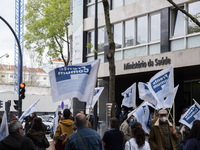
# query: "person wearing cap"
162,135
126,129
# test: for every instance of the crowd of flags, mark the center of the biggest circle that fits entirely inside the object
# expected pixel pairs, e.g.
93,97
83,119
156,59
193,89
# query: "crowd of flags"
79,81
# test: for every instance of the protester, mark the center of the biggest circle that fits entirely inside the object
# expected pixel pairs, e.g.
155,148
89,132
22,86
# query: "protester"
88,124
194,137
37,134
65,126
114,137
137,142
162,135
184,132
126,129
117,111
122,116
84,137
0,122
15,141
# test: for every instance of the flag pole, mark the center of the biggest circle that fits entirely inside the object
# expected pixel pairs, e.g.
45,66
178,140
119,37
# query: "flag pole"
133,112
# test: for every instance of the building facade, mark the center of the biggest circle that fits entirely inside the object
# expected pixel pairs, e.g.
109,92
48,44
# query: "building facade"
149,36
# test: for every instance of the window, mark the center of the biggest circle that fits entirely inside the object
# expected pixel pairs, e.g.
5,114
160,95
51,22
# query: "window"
177,22
193,10
117,3
37,78
11,76
141,30
44,78
91,8
154,27
3,75
118,35
128,39
100,39
90,41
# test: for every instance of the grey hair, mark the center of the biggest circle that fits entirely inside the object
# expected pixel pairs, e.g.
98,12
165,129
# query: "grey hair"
80,122
14,126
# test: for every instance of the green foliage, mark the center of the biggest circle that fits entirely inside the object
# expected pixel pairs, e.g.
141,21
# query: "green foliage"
46,22
89,45
94,51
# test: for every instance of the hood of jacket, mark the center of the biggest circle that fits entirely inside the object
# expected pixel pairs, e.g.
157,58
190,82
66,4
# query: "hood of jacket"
67,122
13,141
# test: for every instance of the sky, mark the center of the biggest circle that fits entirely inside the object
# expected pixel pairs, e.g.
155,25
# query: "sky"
7,40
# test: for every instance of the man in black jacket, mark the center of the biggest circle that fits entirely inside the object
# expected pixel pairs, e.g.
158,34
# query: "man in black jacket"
15,141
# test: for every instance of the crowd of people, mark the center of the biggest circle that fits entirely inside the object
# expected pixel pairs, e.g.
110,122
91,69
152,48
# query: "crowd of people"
75,133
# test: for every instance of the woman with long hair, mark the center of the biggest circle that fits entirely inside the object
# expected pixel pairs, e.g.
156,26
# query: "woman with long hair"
113,138
37,134
194,137
137,142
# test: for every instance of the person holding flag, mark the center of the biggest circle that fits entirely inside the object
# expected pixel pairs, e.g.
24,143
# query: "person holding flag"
162,135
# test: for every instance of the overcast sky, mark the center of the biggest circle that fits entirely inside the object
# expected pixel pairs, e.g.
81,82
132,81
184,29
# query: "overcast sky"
7,40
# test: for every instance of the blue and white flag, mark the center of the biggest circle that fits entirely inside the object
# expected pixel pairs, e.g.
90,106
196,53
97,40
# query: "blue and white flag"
97,93
74,81
161,85
169,100
145,94
29,111
4,127
129,96
55,121
143,116
192,114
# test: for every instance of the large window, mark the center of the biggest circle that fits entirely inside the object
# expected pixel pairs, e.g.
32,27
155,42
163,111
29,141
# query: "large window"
141,30
128,37
118,35
117,3
90,41
194,9
91,8
154,27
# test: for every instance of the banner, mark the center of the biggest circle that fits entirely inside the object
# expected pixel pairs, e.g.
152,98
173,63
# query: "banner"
55,121
145,94
97,93
29,111
143,116
4,127
169,100
161,85
77,32
192,114
129,96
74,81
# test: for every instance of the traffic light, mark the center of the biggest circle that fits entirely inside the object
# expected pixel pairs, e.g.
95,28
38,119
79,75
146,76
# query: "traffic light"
16,104
22,91
1,103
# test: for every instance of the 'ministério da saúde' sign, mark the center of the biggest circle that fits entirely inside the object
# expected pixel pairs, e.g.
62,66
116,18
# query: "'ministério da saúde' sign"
150,63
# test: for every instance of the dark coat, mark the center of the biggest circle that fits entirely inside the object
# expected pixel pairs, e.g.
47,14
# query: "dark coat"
156,141
16,142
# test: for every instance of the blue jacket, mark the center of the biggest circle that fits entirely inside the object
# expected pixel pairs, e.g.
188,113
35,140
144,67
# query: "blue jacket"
90,137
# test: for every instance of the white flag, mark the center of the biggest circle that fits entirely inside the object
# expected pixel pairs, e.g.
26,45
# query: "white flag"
29,111
55,121
97,93
192,114
4,127
143,116
74,81
129,96
161,85
169,100
145,94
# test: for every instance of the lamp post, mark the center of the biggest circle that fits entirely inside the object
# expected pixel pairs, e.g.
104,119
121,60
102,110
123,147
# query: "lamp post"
95,56
5,55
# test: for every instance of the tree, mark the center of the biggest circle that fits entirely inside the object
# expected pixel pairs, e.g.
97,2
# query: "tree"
110,57
47,25
193,18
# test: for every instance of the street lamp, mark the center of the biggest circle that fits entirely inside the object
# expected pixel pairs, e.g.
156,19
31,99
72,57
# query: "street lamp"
5,55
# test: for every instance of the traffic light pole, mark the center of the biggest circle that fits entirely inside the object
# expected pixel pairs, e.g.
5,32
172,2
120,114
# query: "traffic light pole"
20,75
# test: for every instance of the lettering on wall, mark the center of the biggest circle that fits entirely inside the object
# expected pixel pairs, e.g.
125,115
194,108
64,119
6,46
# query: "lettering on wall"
150,63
